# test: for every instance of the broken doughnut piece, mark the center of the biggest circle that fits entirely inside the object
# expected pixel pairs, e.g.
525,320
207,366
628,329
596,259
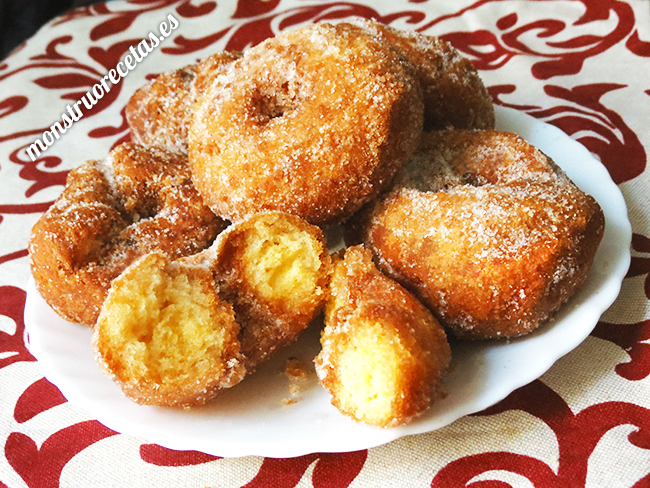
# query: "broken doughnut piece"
178,332
164,335
274,268
383,353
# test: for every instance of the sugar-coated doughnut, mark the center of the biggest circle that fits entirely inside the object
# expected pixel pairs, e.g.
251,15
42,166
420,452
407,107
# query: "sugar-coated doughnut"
313,122
487,231
109,214
454,94
274,268
208,69
164,335
383,353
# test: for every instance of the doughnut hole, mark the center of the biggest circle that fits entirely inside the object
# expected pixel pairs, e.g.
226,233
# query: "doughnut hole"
274,268
164,335
276,101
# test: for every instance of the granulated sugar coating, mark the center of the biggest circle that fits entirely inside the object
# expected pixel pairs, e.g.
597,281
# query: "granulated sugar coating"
494,240
313,122
158,113
454,95
136,201
207,70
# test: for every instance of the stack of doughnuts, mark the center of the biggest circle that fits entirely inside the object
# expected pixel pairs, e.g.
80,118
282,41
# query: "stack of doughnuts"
212,255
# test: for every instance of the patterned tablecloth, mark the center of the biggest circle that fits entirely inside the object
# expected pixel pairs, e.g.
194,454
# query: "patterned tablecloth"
581,65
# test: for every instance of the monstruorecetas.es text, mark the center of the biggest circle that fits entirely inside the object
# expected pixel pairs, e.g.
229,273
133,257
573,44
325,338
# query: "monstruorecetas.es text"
75,111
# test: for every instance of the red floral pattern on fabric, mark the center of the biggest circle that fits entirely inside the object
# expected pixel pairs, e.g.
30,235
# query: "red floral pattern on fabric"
37,398
331,470
641,265
12,346
565,57
577,437
632,338
41,467
160,456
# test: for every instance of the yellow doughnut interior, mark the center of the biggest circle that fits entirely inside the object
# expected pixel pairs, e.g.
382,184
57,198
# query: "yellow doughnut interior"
163,325
274,268
370,372
280,261
383,353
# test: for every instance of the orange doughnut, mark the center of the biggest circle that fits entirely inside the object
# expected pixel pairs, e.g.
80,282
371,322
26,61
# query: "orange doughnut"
313,122
110,213
454,95
487,231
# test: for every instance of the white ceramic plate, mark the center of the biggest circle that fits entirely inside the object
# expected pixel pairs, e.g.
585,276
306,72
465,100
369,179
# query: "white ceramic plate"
251,419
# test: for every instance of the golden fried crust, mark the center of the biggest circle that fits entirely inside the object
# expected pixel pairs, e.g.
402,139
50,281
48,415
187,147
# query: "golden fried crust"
454,95
313,122
165,337
109,214
487,232
383,353
158,113
274,268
